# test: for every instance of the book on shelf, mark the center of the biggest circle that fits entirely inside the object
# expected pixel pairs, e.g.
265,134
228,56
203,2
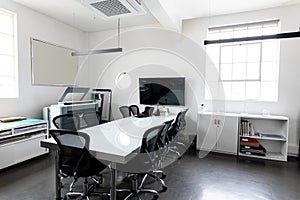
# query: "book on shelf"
247,128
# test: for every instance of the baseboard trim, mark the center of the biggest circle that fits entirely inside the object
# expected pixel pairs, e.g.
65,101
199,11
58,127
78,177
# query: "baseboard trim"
293,150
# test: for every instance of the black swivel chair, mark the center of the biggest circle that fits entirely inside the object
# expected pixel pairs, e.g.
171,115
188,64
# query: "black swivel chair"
75,160
67,121
148,111
134,110
160,149
125,111
92,118
142,163
178,126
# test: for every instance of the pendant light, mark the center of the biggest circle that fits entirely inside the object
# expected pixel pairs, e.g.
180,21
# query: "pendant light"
101,51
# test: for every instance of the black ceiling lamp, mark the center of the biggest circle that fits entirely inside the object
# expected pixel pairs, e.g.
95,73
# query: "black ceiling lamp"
254,38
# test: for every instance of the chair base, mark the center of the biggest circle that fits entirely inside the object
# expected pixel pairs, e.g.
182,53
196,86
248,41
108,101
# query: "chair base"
136,189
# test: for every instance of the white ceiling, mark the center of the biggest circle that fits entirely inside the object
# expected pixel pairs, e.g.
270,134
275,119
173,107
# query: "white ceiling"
72,12
187,9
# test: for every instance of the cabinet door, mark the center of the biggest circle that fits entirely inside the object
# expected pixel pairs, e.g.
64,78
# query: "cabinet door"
28,149
206,136
7,156
227,133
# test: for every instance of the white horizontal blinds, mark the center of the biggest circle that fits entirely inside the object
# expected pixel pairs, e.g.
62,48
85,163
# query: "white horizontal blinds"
247,70
8,55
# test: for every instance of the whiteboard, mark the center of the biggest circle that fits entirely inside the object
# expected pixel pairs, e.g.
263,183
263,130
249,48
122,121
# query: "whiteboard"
52,64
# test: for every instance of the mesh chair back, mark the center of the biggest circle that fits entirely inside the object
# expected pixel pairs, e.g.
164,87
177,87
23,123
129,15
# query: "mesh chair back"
163,138
178,125
92,118
125,111
71,148
148,111
74,155
134,110
67,121
150,139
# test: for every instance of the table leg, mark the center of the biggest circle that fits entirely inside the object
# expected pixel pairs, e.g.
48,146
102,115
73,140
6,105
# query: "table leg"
57,178
113,178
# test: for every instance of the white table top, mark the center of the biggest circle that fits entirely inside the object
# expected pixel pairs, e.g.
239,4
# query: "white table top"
117,140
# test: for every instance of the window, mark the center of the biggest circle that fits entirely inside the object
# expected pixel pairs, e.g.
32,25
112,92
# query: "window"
8,55
245,70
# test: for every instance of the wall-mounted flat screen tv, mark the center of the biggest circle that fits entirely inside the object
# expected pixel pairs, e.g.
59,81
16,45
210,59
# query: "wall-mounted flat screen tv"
163,91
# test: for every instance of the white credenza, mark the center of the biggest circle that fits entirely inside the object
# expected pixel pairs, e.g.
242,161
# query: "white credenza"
222,133
218,133
20,141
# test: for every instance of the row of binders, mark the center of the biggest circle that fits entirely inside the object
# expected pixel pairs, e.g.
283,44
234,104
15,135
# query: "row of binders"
251,146
246,128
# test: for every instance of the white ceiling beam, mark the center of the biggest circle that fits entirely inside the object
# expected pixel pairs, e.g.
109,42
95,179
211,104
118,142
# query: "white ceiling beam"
167,20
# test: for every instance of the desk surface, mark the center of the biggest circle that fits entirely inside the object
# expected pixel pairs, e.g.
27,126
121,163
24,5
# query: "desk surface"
117,140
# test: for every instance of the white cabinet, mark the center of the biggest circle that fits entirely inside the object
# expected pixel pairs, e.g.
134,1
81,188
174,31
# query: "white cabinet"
20,141
217,133
223,133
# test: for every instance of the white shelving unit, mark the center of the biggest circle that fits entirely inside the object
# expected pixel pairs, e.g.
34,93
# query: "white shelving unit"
273,135
20,141
219,132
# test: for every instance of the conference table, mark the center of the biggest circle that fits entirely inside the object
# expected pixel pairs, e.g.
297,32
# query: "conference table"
116,142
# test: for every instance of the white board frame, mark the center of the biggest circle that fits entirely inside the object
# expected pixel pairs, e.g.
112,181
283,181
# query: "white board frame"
71,64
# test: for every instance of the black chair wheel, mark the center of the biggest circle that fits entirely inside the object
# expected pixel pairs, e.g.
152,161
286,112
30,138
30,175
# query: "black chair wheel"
155,197
163,176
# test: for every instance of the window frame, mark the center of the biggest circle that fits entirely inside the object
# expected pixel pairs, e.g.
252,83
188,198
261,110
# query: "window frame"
266,29
15,76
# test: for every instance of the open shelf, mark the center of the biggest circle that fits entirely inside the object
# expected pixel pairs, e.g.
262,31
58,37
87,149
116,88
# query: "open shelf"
271,132
273,137
269,156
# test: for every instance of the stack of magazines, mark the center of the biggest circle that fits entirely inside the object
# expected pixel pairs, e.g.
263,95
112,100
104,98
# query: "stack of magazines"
251,146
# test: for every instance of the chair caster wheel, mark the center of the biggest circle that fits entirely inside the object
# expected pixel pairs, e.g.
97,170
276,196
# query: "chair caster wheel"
164,188
155,197
163,176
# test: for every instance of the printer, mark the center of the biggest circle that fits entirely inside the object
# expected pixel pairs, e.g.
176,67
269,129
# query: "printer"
66,106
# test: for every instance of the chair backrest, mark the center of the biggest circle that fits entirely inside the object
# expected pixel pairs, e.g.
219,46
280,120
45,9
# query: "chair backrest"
67,121
134,110
150,139
163,137
148,111
92,118
72,146
182,118
125,111
178,125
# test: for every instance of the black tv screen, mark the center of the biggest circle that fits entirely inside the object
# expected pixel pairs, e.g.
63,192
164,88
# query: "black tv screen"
163,91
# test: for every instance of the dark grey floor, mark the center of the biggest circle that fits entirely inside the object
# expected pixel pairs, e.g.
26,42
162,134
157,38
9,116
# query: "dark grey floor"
211,178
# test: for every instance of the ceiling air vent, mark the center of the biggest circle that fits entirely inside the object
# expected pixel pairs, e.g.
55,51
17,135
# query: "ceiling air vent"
115,8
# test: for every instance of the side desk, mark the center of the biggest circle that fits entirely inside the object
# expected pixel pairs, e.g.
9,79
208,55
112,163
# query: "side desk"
20,140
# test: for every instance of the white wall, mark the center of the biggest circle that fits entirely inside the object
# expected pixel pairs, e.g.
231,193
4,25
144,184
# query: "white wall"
33,24
148,52
289,85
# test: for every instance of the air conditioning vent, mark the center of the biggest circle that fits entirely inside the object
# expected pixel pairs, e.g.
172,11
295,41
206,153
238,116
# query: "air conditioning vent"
115,8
